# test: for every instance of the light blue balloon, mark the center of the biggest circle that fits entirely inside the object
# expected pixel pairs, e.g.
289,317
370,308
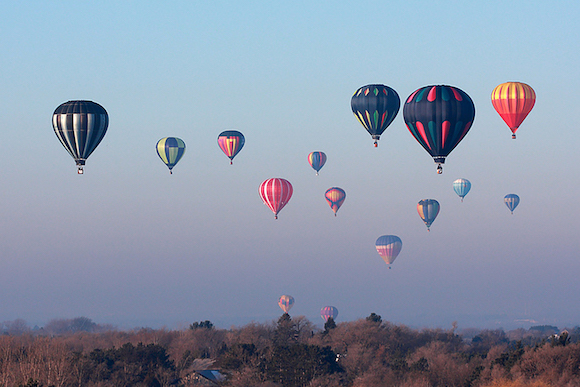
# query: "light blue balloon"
461,187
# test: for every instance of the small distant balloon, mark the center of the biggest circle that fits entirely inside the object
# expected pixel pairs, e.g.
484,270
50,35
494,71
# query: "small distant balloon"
317,160
375,107
286,303
513,101
327,312
511,201
170,151
428,210
335,197
231,143
80,126
461,187
389,247
275,193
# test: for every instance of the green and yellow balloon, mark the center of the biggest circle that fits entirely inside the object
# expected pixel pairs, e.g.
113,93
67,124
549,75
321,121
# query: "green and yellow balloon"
170,151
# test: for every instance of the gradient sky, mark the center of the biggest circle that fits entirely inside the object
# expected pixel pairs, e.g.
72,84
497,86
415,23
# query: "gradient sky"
130,245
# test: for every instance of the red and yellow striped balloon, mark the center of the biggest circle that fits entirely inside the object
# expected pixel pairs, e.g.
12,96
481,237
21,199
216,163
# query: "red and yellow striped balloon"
335,197
513,101
231,143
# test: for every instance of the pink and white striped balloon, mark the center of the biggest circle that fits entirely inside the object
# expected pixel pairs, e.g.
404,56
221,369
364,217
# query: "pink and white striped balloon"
275,193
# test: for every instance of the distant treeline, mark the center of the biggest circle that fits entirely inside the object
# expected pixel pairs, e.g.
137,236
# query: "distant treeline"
288,352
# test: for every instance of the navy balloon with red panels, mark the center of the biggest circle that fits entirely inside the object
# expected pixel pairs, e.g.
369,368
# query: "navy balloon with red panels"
439,117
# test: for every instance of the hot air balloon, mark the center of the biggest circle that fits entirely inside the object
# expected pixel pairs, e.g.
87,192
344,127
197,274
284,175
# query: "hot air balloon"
439,117
170,150
335,197
317,160
389,247
80,126
286,303
513,101
375,106
428,210
327,312
511,201
461,187
275,193
231,143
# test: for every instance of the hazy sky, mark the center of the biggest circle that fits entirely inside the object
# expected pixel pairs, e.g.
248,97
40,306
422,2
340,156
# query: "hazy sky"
131,245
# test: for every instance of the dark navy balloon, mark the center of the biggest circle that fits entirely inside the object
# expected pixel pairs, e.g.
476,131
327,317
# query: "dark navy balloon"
80,126
439,117
375,106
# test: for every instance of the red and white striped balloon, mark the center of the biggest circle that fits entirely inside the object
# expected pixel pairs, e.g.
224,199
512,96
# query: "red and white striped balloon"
276,193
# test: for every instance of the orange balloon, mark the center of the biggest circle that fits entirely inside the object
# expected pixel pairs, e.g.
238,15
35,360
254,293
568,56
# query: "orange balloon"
513,101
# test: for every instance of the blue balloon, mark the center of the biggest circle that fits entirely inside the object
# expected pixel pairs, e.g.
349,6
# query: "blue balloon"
511,201
317,160
461,187
428,210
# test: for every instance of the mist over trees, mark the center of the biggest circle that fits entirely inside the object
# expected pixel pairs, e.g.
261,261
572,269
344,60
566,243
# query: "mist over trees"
291,351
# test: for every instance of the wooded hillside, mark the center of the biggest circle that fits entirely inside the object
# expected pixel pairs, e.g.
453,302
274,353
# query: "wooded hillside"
289,352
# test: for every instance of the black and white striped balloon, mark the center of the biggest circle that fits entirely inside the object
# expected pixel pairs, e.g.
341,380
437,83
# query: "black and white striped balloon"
80,126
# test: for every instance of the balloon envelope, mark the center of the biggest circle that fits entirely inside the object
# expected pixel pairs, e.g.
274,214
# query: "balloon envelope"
275,193
439,117
335,197
389,247
317,160
327,312
513,101
80,126
461,187
375,107
428,210
286,302
170,151
231,143
511,201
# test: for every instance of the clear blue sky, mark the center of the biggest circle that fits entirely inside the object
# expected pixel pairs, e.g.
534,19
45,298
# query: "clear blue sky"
130,245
